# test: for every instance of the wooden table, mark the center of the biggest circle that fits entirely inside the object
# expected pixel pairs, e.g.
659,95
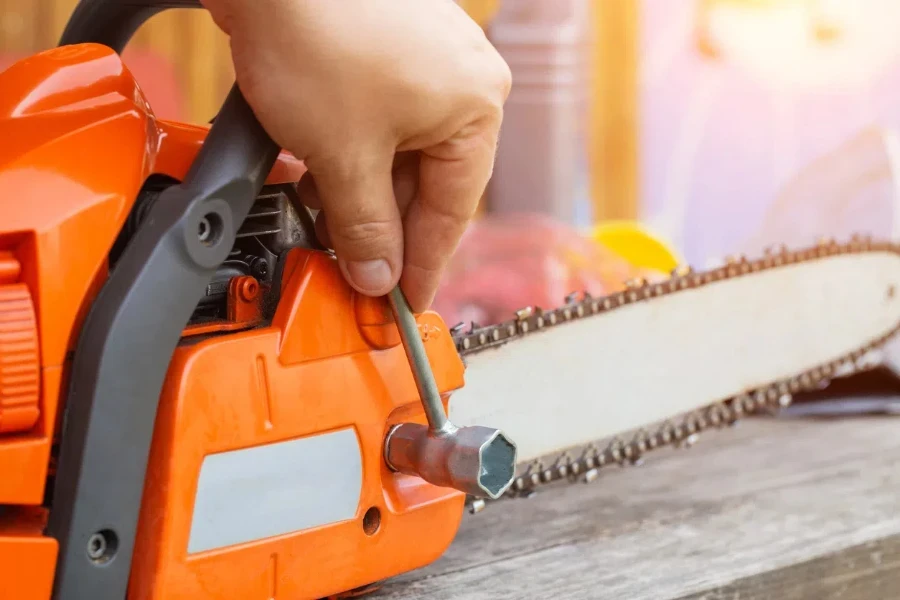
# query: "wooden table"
786,509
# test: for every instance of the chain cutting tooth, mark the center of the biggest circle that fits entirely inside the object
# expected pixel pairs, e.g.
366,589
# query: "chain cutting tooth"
641,441
689,426
825,244
636,283
562,465
748,404
665,433
759,400
806,381
729,416
700,420
613,452
589,456
715,415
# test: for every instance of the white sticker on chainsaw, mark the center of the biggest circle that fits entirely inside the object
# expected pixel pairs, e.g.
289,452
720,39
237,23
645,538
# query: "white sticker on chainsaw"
255,493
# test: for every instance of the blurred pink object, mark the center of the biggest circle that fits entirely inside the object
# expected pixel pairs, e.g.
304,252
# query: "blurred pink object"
506,262
8,58
159,80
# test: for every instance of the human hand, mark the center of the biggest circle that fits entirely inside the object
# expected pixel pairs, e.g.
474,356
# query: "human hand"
395,107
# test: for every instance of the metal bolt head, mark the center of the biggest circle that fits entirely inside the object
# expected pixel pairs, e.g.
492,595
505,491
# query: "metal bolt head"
96,546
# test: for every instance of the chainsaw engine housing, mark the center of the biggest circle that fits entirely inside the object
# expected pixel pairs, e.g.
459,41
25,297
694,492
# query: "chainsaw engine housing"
265,475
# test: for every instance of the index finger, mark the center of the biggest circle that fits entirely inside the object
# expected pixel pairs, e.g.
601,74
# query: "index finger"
452,178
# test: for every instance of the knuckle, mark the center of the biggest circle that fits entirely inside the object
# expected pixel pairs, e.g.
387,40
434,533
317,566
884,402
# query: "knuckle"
452,216
425,272
491,79
370,235
499,77
504,78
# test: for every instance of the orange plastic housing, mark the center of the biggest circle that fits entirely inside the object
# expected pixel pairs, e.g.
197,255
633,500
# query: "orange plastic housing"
79,141
27,558
311,371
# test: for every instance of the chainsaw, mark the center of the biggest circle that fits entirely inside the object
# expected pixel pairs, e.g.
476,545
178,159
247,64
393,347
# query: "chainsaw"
195,405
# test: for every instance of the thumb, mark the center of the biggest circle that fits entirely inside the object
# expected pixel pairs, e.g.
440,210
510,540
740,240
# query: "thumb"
363,219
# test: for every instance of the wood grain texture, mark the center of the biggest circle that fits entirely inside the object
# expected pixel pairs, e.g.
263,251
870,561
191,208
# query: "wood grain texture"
769,505
865,572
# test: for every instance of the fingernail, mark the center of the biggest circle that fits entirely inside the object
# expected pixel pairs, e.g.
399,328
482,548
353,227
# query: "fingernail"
370,276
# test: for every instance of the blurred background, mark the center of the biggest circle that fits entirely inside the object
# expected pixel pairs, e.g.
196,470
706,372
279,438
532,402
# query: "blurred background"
638,134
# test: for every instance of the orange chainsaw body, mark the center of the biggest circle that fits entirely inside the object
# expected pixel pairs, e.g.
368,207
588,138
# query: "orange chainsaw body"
79,143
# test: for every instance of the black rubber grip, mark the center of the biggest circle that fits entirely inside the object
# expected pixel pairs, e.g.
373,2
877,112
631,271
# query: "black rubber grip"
113,22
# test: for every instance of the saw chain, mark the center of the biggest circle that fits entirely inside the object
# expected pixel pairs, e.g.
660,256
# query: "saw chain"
583,463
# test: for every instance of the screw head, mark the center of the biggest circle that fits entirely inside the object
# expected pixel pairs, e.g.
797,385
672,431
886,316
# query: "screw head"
96,546
102,546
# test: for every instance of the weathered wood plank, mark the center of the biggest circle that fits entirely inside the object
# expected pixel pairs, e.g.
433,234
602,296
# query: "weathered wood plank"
865,572
759,498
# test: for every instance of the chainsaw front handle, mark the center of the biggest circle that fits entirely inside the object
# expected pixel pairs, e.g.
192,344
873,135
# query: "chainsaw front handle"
113,22
237,145
132,330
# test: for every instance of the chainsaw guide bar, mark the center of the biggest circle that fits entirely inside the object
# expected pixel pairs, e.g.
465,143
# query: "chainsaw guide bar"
582,462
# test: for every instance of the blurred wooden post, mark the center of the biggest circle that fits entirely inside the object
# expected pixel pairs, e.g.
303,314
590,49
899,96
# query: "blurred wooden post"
481,11
614,111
